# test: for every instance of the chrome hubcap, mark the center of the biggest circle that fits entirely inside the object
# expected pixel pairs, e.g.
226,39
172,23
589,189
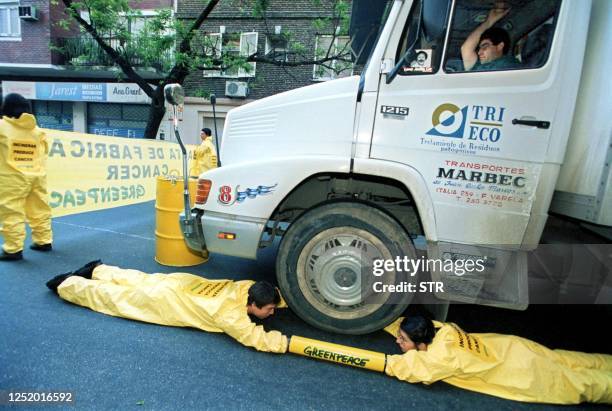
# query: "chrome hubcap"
334,272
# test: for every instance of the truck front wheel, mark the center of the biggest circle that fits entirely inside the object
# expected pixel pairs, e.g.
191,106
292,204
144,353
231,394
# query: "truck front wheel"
324,267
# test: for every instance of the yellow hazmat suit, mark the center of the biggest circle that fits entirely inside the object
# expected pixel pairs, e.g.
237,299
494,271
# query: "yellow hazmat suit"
505,366
23,182
178,299
205,157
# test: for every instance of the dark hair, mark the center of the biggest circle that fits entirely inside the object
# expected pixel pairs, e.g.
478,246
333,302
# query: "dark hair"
497,35
422,52
15,105
419,329
206,131
263,293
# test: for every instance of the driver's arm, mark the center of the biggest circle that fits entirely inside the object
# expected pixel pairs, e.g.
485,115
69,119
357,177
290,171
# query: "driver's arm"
468,48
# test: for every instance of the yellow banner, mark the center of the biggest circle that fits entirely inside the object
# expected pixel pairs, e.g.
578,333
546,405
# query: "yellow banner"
87,172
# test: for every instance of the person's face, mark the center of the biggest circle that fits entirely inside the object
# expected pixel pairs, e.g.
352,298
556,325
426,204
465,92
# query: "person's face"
421,59
202,135
488,52
404,342
263,312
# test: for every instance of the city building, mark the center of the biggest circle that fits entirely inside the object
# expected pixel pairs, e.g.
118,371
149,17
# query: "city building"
239,30
69,80
73,86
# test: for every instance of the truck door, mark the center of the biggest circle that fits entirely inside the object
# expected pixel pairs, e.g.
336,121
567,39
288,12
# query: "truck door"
485,140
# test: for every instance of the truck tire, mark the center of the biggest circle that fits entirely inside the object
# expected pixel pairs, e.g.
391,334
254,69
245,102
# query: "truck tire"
324,267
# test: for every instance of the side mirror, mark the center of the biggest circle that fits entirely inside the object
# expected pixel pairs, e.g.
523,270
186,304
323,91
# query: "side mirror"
174,94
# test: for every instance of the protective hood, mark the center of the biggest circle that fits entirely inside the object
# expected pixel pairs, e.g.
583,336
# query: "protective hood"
314,120
23,146
25,121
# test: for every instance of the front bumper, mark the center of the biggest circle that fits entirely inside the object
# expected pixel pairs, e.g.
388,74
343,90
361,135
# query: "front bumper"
192,232
207,225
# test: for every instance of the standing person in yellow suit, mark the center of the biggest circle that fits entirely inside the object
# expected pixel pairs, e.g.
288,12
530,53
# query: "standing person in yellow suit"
501,365
23,179
205,156
178,299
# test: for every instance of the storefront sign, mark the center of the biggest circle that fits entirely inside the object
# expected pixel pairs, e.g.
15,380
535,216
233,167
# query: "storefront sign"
98,92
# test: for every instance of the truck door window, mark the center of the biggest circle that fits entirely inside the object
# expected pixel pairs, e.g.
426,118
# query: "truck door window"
505,35
421,43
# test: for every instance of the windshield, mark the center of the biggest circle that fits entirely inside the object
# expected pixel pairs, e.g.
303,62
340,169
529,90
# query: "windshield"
367,21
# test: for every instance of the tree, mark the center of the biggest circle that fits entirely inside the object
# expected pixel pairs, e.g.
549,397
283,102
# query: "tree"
109,22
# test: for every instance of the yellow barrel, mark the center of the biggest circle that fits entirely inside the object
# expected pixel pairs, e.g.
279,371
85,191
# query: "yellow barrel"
341,354
170,247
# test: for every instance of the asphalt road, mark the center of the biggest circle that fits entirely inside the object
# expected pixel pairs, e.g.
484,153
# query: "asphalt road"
108,363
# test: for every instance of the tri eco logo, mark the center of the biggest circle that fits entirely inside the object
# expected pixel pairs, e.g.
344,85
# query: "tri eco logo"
480,127
448,121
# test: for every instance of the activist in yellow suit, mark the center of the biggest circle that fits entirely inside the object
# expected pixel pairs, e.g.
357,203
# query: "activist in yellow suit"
23,179
177,299
501,365
205,156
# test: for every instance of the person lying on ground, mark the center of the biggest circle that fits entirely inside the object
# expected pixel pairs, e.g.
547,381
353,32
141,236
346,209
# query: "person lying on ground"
505,366
177,299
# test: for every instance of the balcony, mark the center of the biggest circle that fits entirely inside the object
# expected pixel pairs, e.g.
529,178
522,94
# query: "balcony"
84,52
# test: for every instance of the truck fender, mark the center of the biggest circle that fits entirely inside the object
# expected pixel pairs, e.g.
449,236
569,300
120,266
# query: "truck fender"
412,180
255,189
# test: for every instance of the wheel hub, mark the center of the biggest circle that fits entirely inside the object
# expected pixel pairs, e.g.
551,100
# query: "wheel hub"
330,271
345,277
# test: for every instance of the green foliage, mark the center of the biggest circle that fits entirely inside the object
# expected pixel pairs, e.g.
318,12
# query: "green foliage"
341,11
143,41
320,24
338,23
202,93
152,41
260,7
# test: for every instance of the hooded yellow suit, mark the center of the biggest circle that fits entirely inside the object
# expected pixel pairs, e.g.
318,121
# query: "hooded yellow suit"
23,182
205,157
178,299
505,366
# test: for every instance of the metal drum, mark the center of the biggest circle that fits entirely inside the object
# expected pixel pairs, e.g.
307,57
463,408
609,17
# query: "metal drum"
170,247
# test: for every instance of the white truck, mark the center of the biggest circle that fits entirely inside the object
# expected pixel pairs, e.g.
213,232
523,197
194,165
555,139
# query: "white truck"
463,163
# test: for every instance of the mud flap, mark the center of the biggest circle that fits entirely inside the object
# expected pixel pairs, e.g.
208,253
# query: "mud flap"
499,278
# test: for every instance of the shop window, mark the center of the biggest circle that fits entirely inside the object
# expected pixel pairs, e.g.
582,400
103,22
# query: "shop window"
120,120
56,115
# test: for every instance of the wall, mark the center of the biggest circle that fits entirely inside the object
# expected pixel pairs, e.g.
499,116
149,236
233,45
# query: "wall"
295,17
33,48
194,111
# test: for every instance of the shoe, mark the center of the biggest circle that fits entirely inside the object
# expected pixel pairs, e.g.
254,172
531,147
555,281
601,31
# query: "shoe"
11,256
53,283
41,247
87,270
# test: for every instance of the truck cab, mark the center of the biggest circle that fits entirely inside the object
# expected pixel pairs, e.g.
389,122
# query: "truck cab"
416,159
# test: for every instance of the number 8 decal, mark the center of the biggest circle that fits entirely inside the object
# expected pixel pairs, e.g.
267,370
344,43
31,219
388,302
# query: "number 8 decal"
225,195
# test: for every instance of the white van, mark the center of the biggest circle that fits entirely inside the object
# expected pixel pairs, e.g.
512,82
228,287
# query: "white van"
364,168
